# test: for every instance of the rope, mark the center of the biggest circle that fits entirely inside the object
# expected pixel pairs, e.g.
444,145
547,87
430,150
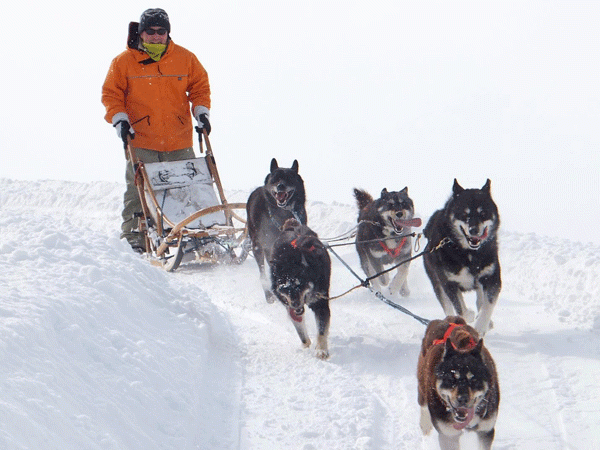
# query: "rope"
437,247
347,235
368,241
378,294
352,232
366,282
345,293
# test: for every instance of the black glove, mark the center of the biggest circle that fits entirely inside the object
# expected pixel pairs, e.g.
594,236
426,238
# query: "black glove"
121,123
124,130
203,122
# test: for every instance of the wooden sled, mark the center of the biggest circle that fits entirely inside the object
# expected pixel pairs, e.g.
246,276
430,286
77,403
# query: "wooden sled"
182,218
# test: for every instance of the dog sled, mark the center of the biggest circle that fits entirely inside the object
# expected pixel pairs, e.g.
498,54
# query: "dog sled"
182,218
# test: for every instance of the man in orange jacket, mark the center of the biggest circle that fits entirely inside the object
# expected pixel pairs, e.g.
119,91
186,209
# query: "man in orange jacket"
147,95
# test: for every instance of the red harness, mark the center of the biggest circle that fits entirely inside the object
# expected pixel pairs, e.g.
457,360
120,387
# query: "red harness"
472,343
294,244
394,253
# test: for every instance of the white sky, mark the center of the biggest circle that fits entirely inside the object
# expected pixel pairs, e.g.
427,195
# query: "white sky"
368,94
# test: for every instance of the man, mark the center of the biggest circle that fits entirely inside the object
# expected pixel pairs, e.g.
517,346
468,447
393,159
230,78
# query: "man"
147,95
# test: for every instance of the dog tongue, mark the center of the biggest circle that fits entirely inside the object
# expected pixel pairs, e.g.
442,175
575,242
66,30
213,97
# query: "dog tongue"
410,223
468,413
295,317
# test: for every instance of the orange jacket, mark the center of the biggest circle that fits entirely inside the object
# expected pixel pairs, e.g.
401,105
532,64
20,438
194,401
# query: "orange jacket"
156,96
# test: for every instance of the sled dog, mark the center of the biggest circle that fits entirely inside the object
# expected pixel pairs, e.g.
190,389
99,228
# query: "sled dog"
300,274
467,259
382,237
280,198
457,384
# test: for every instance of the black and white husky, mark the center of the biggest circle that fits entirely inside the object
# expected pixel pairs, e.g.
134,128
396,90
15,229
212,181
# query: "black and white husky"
382,237
300,274
467,260
281,197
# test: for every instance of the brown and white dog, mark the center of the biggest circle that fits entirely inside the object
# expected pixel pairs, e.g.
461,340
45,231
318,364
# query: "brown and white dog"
458,384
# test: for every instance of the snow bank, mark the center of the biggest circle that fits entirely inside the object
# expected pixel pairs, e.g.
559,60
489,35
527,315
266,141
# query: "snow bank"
99,348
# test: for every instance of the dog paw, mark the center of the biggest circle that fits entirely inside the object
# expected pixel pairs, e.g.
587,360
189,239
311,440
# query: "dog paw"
322,354
483,329
404,291
425,422
389,293
468,315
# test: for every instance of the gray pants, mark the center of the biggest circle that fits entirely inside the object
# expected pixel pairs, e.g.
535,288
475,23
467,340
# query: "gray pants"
131,200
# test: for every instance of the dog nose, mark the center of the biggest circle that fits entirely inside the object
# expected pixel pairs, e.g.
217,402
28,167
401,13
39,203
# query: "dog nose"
462,399
281,187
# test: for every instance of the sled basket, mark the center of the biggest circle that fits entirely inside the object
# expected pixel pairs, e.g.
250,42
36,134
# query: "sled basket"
183,218
180,189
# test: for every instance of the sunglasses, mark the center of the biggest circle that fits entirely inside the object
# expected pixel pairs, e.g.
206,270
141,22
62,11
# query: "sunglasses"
160,31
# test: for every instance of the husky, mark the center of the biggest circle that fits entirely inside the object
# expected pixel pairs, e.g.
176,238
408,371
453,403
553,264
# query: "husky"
300,274
383,236
458,386
281,197
463,253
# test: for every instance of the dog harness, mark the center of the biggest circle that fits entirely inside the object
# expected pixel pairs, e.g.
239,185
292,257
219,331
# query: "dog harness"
294,244
472,343
394,253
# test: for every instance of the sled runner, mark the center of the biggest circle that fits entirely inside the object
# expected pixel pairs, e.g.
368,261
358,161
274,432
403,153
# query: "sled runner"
182,217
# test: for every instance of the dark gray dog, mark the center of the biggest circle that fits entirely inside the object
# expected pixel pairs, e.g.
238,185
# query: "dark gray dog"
300,275
281,197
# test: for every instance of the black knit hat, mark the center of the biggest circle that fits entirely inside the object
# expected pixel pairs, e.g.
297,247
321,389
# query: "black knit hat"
154,17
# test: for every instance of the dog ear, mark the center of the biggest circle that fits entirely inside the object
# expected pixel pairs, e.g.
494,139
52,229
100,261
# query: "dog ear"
274,165
383,192
363,198
448,349
404,191
295,166
457,188
487,186
479,346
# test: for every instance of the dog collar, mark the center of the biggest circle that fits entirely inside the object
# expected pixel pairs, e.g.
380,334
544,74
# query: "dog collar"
472,343
394,253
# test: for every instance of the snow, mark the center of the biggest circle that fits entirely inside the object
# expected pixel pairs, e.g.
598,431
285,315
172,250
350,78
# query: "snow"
102,350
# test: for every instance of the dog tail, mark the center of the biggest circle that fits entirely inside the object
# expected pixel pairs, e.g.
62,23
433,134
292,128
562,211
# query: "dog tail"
290,225
363,198
464,340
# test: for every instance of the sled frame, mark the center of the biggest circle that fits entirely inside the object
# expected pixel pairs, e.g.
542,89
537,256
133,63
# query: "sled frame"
166,239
